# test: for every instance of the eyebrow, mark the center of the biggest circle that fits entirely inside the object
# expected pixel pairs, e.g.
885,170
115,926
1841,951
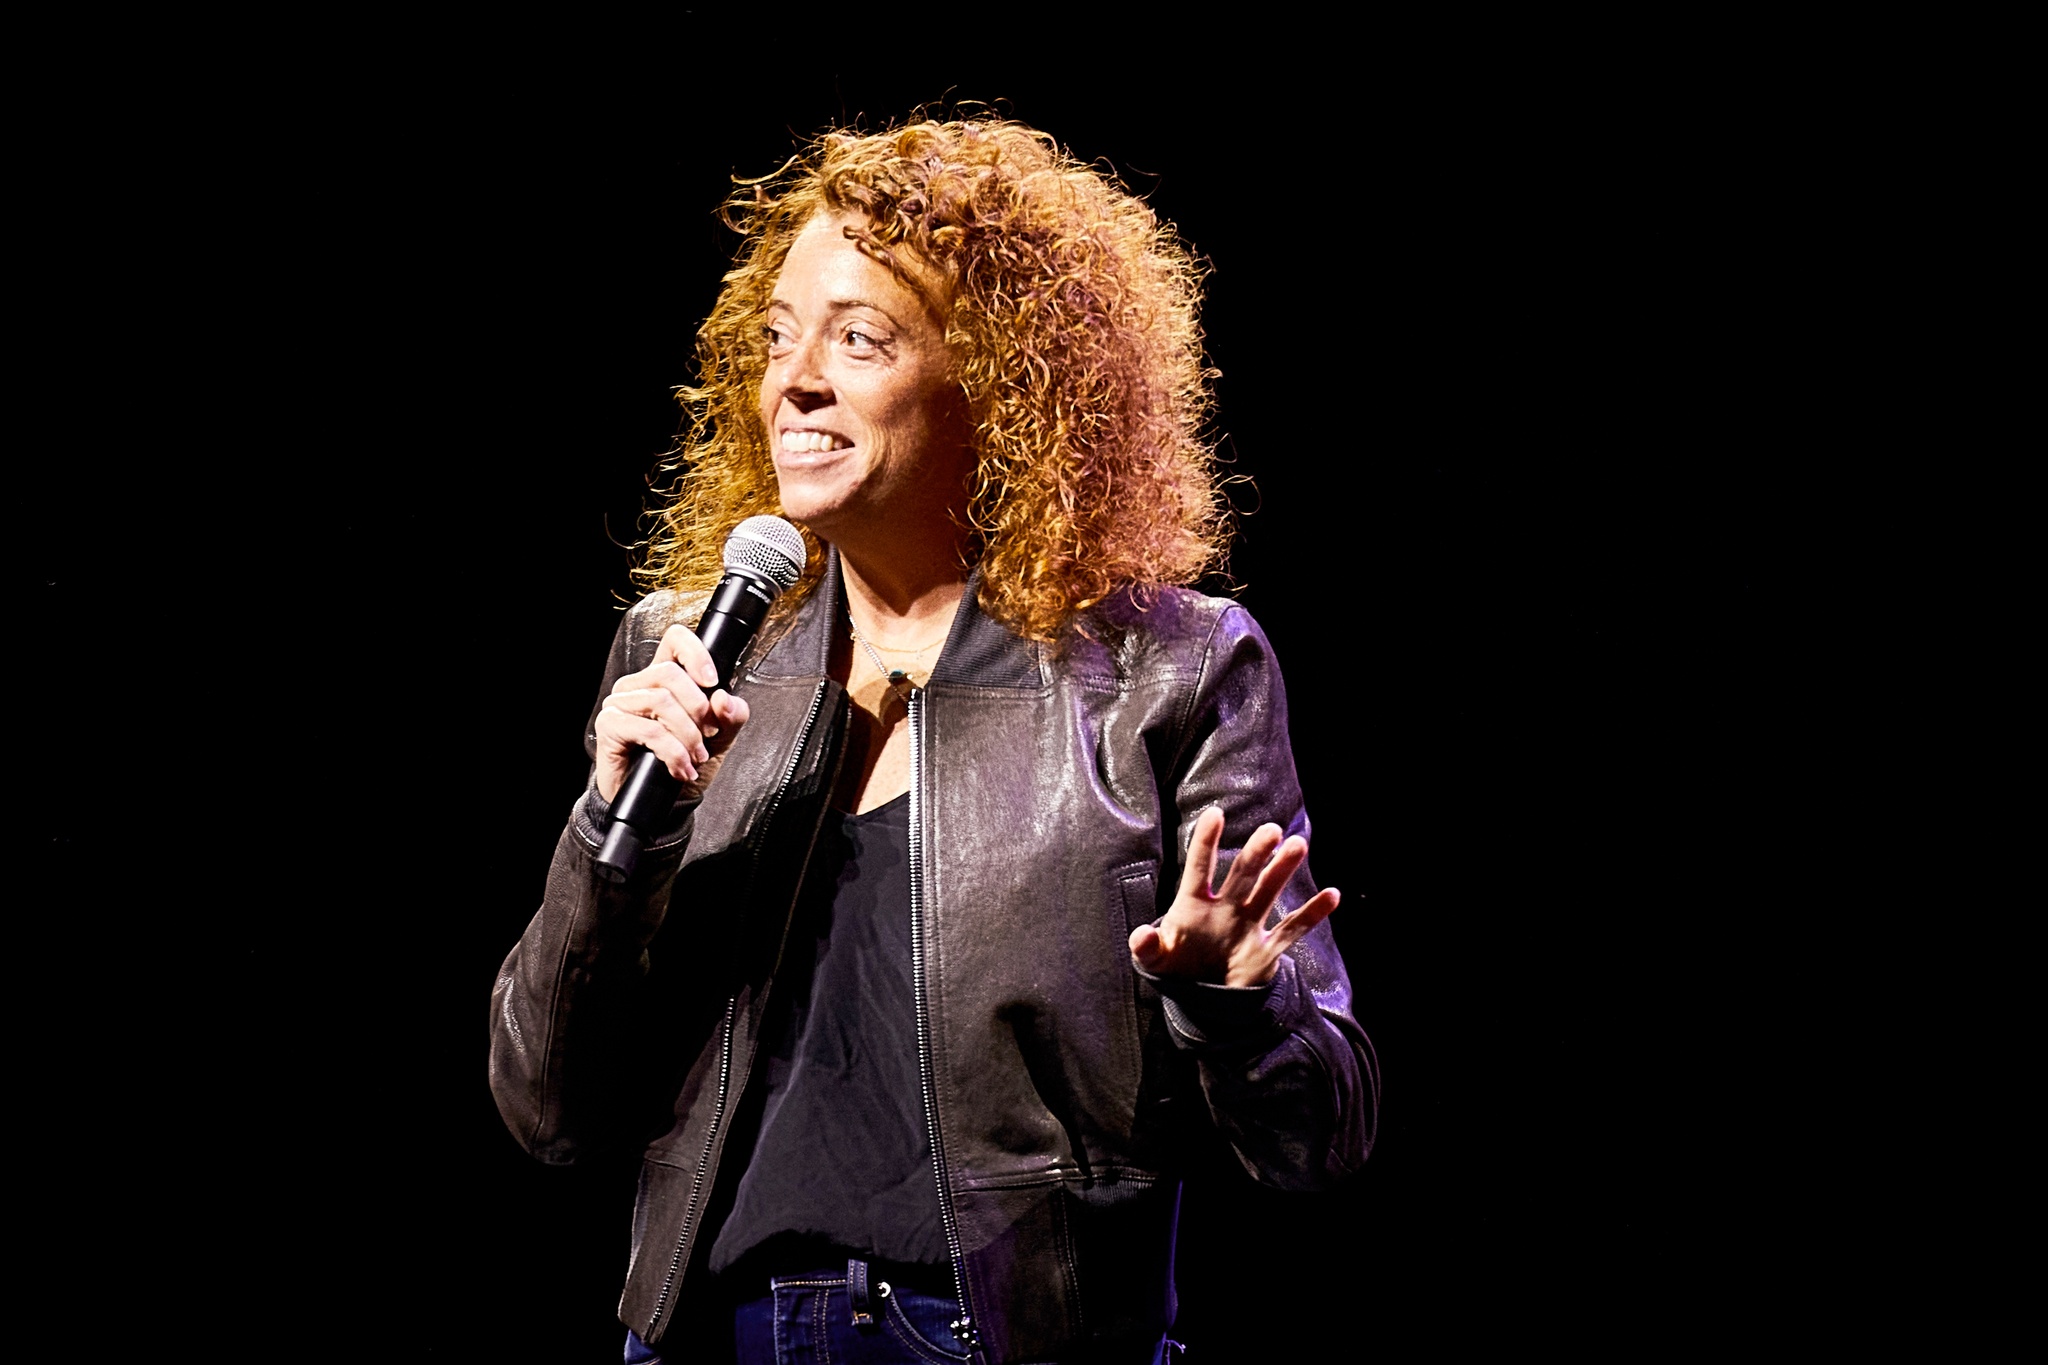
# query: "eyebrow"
838,306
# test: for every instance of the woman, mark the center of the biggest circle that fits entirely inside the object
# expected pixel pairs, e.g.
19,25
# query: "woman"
908,1001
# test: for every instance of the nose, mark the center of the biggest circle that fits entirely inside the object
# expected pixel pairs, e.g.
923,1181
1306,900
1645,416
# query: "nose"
798,378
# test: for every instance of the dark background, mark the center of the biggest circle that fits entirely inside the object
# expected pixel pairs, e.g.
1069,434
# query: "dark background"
379,359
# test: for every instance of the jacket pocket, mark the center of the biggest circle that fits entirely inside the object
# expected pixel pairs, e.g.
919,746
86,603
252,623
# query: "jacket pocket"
1137,902
1137,894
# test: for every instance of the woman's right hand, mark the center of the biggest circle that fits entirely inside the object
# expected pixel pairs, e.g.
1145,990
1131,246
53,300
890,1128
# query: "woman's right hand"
663,708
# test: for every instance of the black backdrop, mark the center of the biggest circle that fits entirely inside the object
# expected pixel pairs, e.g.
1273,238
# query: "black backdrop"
403,341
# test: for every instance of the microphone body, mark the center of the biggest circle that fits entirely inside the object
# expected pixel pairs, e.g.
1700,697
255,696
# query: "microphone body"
754,578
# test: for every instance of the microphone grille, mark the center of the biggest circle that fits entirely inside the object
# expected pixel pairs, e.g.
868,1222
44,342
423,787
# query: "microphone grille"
768,546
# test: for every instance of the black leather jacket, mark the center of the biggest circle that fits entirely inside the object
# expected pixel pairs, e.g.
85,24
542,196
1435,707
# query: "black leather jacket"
1052,795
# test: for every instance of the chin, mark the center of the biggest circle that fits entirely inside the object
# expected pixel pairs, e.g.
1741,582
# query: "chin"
815,512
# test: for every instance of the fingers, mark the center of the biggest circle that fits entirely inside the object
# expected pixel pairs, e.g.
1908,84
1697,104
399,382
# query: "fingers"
1273,877
1255,876
663,708
728,715
1255,863
696,727
690,718
1201,861
619,731
680,645
1221,933
1249,961
653,716
1306,916
671,688
1146,946
669,676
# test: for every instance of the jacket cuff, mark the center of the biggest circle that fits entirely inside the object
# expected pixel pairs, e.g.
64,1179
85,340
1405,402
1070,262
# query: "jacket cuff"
1202,1015
592,817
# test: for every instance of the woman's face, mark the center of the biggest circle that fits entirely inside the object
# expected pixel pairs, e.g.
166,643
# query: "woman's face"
862,412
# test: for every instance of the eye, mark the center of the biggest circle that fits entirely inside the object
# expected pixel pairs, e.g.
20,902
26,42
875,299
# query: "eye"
860,339
776,338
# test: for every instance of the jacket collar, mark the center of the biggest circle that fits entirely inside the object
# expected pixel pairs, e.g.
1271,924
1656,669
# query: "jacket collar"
978,652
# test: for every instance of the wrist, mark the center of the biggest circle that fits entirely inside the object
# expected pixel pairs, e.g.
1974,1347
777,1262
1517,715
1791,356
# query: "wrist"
1252,976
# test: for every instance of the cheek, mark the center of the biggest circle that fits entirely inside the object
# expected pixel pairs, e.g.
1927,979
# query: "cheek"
919,410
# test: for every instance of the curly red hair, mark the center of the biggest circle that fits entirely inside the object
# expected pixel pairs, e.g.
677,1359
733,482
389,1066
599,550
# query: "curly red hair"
1072,315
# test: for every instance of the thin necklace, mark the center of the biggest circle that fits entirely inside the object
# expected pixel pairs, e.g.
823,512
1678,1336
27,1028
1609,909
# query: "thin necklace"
895,676
910,649
898,679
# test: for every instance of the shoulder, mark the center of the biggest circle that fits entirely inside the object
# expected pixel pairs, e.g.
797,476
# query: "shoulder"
642,625
662,608
652,615
1149,630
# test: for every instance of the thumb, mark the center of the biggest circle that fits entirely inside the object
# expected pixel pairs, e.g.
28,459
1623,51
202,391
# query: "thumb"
730,714
1146,946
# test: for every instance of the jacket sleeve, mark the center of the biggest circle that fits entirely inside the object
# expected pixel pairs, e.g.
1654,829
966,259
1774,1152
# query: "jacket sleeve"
564,1046
1288,1074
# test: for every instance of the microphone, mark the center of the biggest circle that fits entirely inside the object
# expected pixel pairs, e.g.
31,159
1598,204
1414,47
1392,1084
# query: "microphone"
763,555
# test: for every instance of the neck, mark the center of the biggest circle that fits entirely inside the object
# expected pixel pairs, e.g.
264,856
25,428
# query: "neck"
902,600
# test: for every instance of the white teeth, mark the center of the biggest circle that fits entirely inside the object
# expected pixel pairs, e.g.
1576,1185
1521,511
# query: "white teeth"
810,442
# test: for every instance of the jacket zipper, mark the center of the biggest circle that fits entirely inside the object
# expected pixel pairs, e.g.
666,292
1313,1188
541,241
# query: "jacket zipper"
964,1329
698,1181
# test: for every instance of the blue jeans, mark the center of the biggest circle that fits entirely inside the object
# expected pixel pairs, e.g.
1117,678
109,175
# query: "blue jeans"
810,1319
844,1317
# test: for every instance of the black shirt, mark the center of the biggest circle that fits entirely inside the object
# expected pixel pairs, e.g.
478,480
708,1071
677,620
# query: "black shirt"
841,1158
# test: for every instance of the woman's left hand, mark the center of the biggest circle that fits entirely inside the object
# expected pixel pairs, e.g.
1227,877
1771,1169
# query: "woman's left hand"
1220,935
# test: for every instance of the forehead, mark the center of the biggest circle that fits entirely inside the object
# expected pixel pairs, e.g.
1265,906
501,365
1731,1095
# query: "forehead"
825,266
